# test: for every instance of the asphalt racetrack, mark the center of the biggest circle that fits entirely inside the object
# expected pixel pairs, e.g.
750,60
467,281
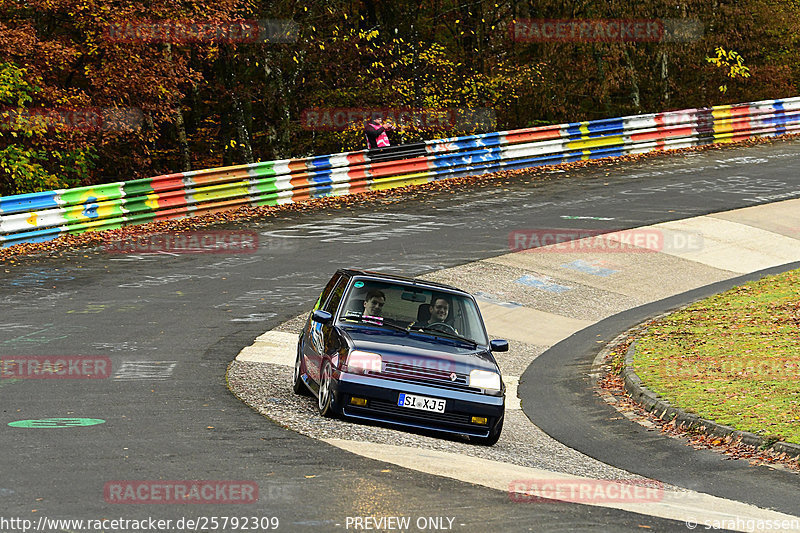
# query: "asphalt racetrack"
169,325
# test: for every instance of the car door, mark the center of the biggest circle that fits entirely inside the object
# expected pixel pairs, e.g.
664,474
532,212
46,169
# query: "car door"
306,340
321,334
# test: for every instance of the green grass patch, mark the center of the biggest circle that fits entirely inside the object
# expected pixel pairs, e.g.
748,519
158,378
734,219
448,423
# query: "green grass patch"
733,358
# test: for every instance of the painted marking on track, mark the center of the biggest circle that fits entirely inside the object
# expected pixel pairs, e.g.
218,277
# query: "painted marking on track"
363,229
157,281
577,217
48,333
145,370
544,283
39,277
231,262
14,326
747,160
8,381
90,309
590,267
492,299
411,269
260,299
6,492
136,257
121,346
254,317
740,185
26,297
56,423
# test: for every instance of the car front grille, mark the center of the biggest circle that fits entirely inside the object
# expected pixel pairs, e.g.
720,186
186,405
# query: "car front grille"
437,376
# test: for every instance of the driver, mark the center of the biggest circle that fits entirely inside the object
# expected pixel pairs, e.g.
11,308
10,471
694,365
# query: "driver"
440,308
439,311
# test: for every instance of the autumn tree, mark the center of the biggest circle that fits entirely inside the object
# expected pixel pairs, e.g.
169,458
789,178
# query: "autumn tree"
174,104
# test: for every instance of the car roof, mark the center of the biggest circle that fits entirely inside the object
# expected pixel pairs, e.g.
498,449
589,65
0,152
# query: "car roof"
391,277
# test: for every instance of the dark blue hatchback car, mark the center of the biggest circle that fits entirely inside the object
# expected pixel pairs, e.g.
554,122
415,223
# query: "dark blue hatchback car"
402,351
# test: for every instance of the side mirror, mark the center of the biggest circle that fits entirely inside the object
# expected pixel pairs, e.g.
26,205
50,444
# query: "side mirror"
323,317
498,345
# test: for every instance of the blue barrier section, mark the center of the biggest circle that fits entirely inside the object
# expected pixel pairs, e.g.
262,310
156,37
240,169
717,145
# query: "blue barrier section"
35,201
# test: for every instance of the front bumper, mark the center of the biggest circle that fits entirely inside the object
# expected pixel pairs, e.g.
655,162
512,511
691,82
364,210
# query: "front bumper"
382,396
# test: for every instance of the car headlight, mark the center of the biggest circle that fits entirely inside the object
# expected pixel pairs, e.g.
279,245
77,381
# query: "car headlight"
359,361
484,379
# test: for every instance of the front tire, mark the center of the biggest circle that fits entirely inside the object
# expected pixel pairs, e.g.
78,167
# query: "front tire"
325,397
493,437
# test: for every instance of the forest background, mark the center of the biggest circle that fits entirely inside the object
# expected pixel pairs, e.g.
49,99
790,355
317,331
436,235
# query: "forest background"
95,91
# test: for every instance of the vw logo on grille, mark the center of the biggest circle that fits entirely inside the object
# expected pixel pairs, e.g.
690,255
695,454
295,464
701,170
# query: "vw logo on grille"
453,376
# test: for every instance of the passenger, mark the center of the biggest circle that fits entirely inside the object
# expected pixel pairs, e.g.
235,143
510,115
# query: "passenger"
373,303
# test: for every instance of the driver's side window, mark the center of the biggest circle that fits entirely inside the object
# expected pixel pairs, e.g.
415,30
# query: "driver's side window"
327,291
336,296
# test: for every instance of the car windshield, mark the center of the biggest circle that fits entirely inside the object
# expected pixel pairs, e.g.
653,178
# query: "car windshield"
412,308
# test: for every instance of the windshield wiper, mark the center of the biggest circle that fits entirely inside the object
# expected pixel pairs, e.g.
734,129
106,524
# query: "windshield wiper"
375,323
393,326
438,332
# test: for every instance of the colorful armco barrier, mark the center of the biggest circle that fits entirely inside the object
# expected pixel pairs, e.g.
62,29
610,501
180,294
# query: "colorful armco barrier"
43,216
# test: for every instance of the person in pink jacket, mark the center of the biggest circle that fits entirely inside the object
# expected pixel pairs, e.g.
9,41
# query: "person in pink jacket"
375,132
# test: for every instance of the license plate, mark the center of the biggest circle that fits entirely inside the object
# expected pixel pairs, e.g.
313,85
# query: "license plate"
422,403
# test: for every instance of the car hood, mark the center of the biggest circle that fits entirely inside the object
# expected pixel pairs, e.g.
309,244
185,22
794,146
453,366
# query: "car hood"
421,350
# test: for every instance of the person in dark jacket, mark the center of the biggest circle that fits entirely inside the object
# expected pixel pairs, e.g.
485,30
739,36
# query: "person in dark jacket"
375,131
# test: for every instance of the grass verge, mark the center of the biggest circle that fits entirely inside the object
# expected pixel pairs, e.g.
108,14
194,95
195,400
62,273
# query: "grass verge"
733,358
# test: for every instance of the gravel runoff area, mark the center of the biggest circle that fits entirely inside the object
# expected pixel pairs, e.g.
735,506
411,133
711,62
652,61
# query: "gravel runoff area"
267,388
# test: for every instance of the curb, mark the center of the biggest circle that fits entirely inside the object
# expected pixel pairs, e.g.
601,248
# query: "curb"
655,404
